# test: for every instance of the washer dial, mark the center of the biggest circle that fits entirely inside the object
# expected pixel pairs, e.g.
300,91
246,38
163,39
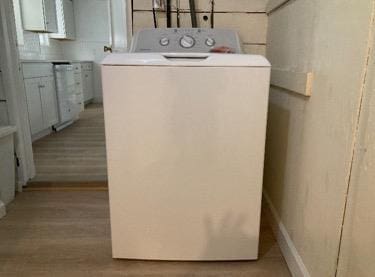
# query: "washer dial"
187,41
164,41
210,42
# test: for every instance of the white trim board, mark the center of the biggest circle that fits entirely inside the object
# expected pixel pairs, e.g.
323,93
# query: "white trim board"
290,253
15,93
297,82
2,209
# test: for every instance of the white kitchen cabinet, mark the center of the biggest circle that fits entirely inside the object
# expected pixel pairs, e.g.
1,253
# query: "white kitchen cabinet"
65,20
49,101
39,15
41,96
34,105
87,81
7,166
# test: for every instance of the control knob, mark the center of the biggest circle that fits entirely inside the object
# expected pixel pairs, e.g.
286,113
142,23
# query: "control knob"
187,41
164,41
210,42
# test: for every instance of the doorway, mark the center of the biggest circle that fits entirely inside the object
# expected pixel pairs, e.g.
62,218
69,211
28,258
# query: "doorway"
75,153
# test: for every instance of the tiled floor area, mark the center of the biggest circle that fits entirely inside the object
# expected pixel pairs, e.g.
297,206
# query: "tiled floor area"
67,233
76,153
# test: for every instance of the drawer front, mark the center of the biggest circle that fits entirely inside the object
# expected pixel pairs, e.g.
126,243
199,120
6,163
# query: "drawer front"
78,77
35,70
87,66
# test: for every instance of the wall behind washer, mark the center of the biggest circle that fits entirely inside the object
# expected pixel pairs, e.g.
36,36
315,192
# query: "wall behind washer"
311,139
249,18
357,250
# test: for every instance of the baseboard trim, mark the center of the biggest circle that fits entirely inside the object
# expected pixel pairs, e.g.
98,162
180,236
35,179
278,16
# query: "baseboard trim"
2,210
290,253
41,134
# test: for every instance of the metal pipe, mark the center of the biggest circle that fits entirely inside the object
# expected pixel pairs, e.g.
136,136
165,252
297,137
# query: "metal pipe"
154,16
169,14
178,13
212,13
194,22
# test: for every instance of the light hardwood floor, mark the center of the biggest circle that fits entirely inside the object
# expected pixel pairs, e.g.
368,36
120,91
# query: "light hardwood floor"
77,153
67,233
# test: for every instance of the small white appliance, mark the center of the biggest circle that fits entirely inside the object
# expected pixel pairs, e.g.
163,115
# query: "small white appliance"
185,136
68,102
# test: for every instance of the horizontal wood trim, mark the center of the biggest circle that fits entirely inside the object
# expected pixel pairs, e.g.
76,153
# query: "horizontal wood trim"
272,5
205,5
297,82
252,28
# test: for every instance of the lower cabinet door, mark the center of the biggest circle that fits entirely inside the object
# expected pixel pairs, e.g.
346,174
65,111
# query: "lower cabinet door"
49,101
88,86
34,105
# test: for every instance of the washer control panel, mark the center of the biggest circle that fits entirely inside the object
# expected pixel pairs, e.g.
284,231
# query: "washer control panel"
176,40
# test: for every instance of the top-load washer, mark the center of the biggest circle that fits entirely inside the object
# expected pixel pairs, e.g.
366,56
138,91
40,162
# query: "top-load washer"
185,133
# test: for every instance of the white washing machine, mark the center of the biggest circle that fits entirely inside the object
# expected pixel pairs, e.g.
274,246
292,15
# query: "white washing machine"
185,132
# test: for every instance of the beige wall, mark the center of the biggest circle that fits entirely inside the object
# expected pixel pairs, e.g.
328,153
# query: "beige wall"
310,140
248,17
357,255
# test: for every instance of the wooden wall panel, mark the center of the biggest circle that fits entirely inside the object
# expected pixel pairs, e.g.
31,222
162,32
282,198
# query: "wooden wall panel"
358,241
254,49
310,140
220,5
252,28
247,17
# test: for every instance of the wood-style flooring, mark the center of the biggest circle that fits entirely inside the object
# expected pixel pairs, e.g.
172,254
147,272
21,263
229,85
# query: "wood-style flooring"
67,233
76,153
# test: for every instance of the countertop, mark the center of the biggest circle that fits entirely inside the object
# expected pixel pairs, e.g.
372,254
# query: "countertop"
56,61
7,130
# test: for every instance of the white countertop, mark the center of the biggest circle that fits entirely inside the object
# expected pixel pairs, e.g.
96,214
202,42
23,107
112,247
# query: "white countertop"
56,61
7,130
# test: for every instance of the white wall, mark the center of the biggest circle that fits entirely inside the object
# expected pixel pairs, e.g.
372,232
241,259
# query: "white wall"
40,47
34,46
92,34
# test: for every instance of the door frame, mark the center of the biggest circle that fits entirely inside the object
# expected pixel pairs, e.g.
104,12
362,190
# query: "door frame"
15,94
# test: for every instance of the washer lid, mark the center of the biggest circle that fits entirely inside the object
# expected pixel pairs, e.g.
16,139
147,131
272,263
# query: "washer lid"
185,59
